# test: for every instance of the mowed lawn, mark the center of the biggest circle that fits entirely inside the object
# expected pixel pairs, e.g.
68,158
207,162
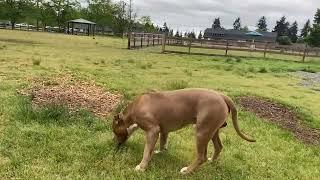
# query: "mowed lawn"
53,144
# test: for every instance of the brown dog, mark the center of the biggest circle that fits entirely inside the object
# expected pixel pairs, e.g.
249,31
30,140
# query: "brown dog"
163,112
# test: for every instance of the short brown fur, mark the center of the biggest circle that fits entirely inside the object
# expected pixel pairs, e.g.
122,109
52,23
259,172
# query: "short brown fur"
162,112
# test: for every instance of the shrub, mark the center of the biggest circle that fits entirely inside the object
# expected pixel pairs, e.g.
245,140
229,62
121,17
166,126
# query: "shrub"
284,40
262,70
308,69
36,62
300,40
228,68
238,59
177,84
228,60
188,72
251,69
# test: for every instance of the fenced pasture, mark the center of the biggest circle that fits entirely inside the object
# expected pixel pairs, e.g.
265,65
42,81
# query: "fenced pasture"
51,142
203,46
141,40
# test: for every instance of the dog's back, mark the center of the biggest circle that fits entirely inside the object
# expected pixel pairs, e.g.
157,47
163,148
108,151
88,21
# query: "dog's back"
174,109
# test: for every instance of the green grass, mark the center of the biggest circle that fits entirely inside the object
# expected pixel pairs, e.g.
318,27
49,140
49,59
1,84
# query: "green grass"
50,142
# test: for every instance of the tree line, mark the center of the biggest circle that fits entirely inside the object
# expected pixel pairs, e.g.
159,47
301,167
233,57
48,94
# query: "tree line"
286,33
106,13
121,17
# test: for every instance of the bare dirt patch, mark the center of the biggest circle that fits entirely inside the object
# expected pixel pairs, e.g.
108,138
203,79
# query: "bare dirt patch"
282,116
65,90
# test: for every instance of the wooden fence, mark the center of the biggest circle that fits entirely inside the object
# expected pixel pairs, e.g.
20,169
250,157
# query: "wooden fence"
140,40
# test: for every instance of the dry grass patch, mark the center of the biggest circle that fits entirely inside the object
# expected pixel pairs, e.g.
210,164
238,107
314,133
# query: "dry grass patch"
73,94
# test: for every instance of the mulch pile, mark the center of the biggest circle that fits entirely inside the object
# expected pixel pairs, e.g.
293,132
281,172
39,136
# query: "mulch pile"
65,90
282,116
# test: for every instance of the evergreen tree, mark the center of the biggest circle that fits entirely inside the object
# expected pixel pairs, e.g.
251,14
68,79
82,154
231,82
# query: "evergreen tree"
306,29
262,24
293,32
177,34
237,24
165,28
314,38
282,27
245,28
171,33
317,17
200,36
216,23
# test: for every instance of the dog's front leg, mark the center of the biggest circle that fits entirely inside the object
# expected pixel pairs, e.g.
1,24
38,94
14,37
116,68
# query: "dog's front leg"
152,136
132,129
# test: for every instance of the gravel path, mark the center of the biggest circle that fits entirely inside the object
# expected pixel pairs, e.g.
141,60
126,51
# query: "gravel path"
308,79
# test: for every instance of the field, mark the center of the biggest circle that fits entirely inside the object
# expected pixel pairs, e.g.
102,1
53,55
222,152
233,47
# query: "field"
53,144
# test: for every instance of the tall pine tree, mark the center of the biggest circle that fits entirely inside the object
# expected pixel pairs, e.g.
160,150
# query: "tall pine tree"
177,34
200,36
305,31
262,24
282,27
237,24
293,32
216,23
317,17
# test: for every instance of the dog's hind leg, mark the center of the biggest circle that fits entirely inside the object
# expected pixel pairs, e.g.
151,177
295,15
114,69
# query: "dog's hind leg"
217,146
152,136
202,144
163,142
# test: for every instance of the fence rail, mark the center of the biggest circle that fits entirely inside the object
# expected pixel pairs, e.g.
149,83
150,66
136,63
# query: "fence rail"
140,40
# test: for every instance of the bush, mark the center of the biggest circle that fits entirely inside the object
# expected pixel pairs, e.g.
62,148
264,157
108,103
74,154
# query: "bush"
262,70
300,40
188,72
314,38
36,62
309,69
238,59
177,84
251,69
284,40
228,60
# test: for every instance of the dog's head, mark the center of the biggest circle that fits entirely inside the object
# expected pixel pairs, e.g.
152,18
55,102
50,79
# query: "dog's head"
119,129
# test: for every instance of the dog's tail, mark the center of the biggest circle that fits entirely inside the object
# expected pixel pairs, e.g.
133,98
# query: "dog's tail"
234,113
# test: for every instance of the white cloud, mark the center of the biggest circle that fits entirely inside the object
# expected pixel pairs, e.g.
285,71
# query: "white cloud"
197,15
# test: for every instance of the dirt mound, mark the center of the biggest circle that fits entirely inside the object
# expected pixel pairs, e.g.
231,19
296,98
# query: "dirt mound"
65,90
282,116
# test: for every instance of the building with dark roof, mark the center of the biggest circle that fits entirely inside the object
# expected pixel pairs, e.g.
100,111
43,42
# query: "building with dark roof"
81,26
230,34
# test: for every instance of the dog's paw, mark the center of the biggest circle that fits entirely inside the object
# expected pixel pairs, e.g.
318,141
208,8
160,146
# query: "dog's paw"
157,152
139,169
184,170
134,126
210,159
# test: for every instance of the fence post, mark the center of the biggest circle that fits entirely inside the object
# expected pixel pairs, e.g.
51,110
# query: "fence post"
190,41
129,40
304,53
158,39
227,47
141,38
163,42
153,39
134,40
265,50
148,40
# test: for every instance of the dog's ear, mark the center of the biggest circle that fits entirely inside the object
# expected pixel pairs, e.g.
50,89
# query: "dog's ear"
116,119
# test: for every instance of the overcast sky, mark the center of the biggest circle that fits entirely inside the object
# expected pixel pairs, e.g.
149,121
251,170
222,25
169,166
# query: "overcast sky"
199,14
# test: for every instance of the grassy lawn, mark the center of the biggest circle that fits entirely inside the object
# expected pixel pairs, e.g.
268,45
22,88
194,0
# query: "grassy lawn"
54,144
